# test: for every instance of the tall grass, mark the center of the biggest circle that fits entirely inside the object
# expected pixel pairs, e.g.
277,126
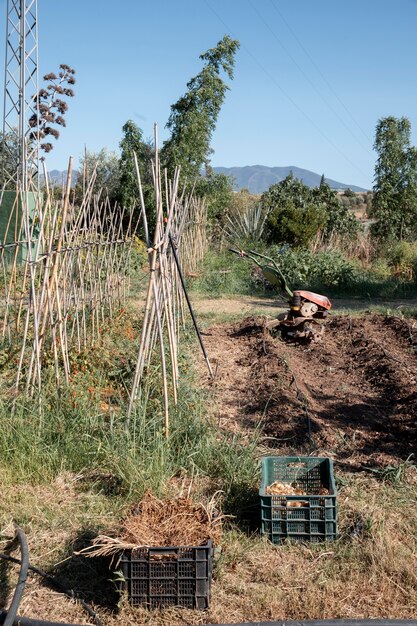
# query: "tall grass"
224,273
76,435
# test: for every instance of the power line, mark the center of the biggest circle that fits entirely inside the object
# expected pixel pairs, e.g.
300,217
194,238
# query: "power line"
287,95
307,77
318,70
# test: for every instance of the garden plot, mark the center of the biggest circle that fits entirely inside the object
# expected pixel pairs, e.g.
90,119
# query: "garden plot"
358,387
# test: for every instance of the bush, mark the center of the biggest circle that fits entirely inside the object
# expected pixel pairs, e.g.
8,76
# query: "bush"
295,215
329,272
401,257
294,224
322,270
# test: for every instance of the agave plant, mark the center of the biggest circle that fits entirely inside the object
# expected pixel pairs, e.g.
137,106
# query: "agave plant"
50,108
248,225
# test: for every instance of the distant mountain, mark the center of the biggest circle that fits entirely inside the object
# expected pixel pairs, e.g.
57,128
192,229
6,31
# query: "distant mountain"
56,177
258,178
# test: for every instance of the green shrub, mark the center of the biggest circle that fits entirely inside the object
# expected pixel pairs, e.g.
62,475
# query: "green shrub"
401,257
330,272
225,273
321,270
295,214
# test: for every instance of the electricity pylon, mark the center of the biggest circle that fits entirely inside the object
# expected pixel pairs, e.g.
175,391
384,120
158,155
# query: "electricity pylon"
20,126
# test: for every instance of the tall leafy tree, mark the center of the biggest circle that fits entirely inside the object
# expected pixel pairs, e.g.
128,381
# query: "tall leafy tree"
394,204
194,116
132,142
105,164
340,220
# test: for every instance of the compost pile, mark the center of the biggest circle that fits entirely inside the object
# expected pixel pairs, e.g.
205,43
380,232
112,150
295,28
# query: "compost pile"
169,522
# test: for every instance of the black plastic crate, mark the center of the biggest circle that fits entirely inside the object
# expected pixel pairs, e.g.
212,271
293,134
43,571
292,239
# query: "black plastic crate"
161,577
311,517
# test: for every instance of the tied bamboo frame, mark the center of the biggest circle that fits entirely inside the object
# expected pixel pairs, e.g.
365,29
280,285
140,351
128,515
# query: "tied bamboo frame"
75,277
164,307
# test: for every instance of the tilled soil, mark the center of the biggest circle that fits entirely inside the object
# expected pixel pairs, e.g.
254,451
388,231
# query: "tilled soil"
353,395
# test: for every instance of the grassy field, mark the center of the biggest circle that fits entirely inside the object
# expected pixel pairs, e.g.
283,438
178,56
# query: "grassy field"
72,472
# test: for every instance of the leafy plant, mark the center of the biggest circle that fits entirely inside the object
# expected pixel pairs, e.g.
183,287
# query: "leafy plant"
105,164
295,215
396,474
394,204
132,142
248,225
194,116
217,190
341,221
401,257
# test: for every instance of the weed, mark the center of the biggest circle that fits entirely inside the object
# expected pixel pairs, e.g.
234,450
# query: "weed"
396,474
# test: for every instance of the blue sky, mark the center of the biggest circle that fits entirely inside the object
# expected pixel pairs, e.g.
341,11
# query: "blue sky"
311,78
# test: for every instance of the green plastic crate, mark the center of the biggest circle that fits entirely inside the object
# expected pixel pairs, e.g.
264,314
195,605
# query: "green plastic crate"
316,519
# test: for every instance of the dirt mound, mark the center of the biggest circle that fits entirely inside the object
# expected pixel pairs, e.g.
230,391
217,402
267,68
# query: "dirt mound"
355,392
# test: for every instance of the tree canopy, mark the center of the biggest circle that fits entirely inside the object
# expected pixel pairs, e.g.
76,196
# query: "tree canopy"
194,116
132,142
105,163
394,205
294,214
297,213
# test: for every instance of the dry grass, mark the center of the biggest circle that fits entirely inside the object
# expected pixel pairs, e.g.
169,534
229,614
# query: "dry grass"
368,572
169,522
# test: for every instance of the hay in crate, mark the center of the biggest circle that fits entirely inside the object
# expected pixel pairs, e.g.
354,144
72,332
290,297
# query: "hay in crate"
168,522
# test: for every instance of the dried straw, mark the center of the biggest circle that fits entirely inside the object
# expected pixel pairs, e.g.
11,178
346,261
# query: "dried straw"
169,522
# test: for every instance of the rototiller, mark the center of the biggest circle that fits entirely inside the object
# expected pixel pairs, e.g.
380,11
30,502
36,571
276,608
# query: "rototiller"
304,319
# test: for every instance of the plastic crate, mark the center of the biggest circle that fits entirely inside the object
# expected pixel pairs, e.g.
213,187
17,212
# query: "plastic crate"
314,517
173,576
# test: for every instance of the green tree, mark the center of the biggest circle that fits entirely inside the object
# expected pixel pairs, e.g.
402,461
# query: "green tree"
295,214
340,220
132,142
394,203
217,189
194,116
105,164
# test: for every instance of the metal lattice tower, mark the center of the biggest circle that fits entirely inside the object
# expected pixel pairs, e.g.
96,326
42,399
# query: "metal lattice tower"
21,136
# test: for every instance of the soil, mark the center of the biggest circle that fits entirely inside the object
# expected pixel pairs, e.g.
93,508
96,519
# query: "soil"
352,396
262,305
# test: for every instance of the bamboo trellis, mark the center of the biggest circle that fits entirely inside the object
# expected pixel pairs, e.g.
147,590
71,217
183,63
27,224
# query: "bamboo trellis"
67,271
180,222
62,276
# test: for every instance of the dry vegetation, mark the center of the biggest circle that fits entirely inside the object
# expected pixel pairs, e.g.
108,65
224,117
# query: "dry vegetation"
154,522
368,572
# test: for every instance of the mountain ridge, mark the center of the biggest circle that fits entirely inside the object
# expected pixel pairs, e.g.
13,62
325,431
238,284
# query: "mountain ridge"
258,178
